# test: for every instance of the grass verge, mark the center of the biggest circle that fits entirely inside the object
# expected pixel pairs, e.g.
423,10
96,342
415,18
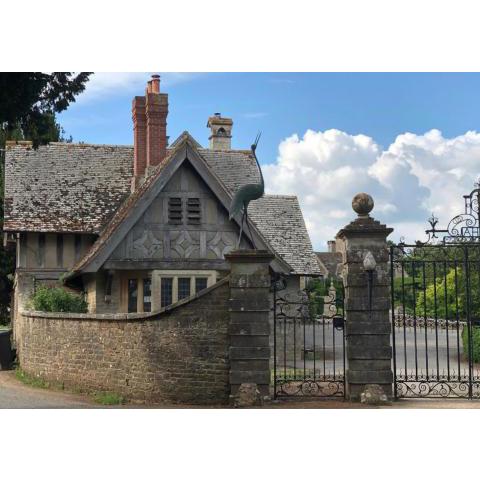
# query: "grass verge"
103,398
108,398
32,381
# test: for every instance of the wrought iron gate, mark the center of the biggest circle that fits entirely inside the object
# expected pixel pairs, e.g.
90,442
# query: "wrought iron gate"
435,289
309,342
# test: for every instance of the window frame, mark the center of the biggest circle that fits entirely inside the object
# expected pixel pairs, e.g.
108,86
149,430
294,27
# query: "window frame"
140,277
210,275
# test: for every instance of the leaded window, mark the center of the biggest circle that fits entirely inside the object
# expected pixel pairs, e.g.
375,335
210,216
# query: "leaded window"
200,284
184,287
166,292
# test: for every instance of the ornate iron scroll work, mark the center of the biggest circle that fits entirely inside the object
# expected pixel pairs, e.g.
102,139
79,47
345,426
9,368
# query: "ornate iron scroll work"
462,228
309,346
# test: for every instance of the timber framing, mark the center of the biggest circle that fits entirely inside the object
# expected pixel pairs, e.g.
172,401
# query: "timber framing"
115,232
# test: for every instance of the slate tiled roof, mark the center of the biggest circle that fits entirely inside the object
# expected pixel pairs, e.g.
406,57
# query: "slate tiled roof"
233,167
331,261
65,187
86,188
122,212
280,220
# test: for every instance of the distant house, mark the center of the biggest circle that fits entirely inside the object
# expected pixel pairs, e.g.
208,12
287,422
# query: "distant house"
139,228
330,262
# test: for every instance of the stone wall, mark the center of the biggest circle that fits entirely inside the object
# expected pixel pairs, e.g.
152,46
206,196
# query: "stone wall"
177,355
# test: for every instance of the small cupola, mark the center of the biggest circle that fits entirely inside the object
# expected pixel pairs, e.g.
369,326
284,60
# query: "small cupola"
220,132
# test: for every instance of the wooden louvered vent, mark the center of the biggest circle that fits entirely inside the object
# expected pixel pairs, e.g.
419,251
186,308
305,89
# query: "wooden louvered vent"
175,216
194,211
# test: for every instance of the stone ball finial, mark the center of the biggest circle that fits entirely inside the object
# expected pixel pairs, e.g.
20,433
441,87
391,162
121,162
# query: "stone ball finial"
362,204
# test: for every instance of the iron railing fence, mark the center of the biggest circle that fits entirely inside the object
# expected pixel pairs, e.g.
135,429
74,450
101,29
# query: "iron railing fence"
435,295
309,346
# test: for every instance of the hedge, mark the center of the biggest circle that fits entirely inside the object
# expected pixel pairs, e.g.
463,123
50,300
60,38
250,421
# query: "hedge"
56,299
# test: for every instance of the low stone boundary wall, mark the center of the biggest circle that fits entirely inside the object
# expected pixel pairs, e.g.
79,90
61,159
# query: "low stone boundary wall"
180,354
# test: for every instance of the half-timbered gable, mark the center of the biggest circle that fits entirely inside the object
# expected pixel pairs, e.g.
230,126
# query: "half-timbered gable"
185,225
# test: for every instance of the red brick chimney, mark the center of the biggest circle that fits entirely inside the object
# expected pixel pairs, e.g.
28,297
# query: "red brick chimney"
139,137
149,114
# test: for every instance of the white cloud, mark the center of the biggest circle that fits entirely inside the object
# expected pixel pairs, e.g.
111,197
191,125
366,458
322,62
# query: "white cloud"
414,176
113,83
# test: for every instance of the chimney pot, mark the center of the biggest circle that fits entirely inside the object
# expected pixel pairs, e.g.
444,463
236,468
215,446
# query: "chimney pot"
155,84
332,246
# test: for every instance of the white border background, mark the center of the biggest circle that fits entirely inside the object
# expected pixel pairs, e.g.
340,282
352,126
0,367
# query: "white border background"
247,35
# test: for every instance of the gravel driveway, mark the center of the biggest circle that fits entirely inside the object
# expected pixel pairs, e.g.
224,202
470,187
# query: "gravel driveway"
14,394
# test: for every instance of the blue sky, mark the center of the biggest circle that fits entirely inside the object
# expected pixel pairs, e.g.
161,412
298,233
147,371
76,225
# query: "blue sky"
401,137
381,105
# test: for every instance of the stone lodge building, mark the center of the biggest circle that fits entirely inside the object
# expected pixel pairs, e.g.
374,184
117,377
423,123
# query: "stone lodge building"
139,228
330,262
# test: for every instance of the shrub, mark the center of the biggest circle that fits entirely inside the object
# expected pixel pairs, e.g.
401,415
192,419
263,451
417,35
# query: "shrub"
50,299
475,343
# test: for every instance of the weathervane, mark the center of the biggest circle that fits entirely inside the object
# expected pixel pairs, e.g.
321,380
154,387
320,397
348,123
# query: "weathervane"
245,194
462,228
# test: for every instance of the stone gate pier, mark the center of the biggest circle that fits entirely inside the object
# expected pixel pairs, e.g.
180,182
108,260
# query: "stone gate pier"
363,244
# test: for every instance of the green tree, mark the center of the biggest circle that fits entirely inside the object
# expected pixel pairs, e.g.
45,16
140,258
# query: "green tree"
29,102
404,293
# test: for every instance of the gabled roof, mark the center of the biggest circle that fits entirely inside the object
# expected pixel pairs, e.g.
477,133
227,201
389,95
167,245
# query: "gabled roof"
331,263
280,219
86,188
65,187
130,212
234,167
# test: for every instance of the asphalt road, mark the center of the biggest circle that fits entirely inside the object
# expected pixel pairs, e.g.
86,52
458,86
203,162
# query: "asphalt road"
14,394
